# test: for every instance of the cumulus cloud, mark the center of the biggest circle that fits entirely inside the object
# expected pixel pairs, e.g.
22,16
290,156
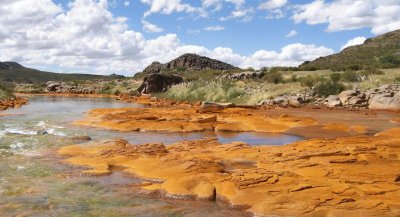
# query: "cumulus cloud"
272,4
380,15
149,27
87,37
214,28
354,41
170,6
292,33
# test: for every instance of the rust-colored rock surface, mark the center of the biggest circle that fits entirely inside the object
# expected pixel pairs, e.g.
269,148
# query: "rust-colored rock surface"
16,102
188,119
346,176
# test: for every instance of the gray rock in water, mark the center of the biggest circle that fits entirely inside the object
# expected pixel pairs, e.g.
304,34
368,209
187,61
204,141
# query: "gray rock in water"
81,138
157,83
42,132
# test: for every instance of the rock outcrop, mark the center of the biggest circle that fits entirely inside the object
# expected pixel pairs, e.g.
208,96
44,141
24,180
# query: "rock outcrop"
243,75
188,62
157,83
64,87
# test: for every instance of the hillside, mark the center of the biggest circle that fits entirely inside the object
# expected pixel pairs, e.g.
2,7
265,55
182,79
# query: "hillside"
14,72
380,52
188,62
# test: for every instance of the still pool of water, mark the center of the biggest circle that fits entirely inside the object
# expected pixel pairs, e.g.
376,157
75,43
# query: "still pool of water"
33,183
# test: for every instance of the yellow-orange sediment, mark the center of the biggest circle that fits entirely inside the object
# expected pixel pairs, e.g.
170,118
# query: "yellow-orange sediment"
357,175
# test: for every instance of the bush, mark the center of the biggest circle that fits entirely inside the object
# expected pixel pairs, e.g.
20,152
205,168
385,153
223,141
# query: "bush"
308,81
217,91
329,88
293,78
350,76
6,91
397,79
355,67
273,77
335,77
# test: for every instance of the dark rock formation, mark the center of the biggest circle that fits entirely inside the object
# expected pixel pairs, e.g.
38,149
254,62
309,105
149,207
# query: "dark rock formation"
155,67
188,62
156,83
10,65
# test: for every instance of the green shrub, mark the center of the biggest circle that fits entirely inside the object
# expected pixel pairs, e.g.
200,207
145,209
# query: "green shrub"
328,88
309,81
181,69
397,79
355,67
293,78
273,77
6,91
350,76
335,77
217,91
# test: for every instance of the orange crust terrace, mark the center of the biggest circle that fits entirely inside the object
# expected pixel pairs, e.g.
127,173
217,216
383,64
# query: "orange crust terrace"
176,119
12,103
347,176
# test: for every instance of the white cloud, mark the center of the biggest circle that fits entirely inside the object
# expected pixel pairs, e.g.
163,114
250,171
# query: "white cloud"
272,4
87,37
149,27
380,15
127,3
292,33
354,41
170,6
214,28
216,4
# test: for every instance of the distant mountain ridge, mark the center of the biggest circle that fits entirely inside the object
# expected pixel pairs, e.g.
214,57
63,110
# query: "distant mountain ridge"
188,62
379,52
15,72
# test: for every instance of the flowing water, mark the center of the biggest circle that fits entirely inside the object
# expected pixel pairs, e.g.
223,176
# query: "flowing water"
34,183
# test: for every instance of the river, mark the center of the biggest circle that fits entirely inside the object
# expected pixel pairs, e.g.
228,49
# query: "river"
34,182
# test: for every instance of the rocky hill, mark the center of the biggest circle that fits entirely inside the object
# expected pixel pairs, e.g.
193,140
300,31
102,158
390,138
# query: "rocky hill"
188,62
10,65
380,52
15,72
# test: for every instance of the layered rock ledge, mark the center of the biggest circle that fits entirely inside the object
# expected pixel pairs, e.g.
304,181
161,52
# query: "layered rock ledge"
346,176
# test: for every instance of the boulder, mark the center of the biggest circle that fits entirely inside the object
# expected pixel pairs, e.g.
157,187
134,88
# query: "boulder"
333,101
157,83
346,95
207,106
385,101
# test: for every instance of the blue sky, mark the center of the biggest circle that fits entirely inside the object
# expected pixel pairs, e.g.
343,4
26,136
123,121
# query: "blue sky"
124,36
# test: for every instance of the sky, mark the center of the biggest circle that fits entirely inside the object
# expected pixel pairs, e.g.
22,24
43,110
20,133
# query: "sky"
124,36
